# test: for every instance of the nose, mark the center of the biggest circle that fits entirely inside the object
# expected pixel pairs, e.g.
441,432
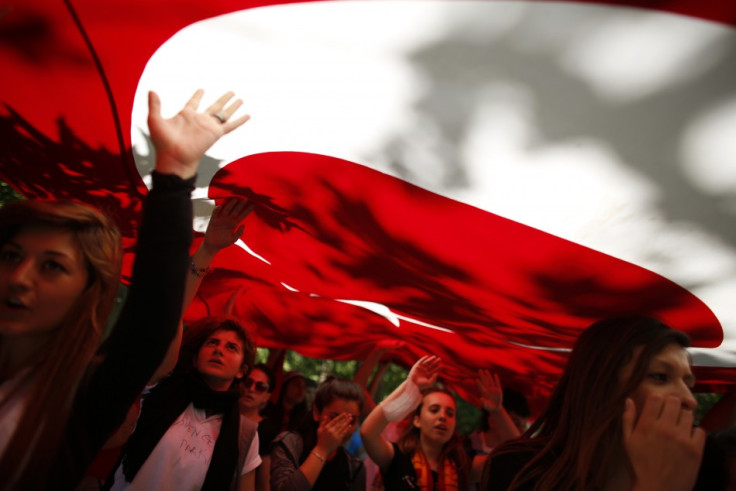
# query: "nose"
687,397
21,275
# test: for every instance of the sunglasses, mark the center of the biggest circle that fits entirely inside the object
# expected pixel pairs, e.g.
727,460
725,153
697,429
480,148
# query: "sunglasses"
259,387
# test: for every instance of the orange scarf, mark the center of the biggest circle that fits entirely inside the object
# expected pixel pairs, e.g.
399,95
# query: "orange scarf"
447,476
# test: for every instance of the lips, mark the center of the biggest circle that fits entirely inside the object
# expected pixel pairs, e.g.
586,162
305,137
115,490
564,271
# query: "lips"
216,361
441,427
14,303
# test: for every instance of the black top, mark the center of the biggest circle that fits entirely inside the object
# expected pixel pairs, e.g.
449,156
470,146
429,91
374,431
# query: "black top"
142,334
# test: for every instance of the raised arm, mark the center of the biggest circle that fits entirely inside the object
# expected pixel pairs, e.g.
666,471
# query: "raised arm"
399,404
224,228
149,319
491,396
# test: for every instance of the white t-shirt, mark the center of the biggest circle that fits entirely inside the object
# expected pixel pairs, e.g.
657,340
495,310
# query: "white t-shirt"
13,399
181,458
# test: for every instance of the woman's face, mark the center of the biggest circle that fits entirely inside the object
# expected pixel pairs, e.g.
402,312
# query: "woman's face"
42,274
220,359
256,391
295,391
437,418
668,373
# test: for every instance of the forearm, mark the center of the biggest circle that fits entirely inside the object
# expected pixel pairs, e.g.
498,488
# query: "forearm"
313,464
376,446
503,424
149,320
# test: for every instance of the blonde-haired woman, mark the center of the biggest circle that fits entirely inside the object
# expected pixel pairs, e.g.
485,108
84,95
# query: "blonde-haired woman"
60,395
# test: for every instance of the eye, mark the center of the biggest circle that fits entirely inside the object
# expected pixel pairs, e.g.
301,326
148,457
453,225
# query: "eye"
54,266
657,376
233,347
211,342
9,256
450,413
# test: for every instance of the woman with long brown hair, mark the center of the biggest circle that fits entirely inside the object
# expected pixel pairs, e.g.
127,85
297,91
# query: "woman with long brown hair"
61,395
429,455
620,418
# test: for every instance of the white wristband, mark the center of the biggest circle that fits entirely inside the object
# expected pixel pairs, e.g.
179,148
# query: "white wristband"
405,403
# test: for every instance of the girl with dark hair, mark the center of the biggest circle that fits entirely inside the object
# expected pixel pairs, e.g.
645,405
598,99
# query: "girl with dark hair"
620,418
190,433
430,454
256,390
314,457
61,396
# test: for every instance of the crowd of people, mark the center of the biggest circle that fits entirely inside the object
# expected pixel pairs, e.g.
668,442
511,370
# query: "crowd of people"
159,405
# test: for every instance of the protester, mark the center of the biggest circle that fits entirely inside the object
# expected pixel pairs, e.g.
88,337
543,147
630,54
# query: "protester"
191,433
430,454
289,411
314,456
621,417
256,390
60,395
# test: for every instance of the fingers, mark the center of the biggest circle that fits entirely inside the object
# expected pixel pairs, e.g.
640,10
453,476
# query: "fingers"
235,123
219,105
154,105
339,426
222,107
234,208
193,102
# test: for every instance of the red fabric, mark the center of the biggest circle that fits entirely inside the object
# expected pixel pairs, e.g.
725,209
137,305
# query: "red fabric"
339,230
329,227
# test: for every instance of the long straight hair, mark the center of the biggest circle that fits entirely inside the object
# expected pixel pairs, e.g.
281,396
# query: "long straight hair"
579,434
34,445
453,449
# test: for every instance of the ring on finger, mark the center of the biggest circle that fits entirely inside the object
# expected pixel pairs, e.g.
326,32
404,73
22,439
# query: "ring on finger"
219,117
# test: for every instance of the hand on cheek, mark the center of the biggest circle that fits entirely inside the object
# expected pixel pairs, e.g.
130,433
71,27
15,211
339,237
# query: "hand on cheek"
663,447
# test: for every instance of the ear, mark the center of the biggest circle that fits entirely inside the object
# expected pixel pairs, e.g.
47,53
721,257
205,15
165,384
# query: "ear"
315,414
241,373
415,422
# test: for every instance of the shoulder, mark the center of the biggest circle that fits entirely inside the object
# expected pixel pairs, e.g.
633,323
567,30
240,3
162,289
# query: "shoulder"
292,442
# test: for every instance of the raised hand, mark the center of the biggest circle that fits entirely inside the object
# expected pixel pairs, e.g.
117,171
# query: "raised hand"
181,141
663,447
491,392
425,371
223,229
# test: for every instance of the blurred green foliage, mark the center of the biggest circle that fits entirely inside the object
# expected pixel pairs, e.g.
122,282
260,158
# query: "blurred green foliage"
8,194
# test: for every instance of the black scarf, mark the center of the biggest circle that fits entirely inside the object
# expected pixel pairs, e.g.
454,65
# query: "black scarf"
164,404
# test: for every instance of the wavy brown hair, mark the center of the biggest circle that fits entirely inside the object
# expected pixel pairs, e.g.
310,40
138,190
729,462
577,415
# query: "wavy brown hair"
62,361
452,450
580,432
